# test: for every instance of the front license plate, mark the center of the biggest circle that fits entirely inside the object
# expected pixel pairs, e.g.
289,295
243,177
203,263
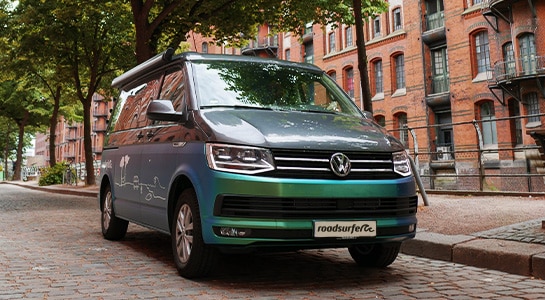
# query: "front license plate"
345,229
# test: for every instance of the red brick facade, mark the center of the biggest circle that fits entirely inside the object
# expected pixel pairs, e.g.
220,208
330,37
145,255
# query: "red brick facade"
470,69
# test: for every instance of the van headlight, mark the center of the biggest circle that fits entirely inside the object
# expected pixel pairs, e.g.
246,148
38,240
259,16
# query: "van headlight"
402,165
239,159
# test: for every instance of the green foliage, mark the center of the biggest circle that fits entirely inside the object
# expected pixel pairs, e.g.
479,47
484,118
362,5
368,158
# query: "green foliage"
52,175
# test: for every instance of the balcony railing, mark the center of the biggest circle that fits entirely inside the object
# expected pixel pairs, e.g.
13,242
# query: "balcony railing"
434,21
518,68
440,84
99,127
100,112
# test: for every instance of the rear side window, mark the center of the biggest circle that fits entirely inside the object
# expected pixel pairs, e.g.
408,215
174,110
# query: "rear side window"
130,111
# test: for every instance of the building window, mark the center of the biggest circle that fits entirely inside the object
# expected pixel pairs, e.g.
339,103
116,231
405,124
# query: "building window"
399,62
532,107
309,53
308,28
376,27
331,42
333,75
287,54
377,77
488,124
482,52
349,81
204,47
381,120
397,18
401,126
509,60
475,2
528,53
434,14
349,39
515,122
440,81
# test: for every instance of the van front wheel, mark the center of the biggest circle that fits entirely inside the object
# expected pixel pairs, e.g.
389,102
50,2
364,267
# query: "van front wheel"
192,256
375,255
113,228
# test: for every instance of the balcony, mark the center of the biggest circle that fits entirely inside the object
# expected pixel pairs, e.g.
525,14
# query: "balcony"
509,76
97,150
72,137
505,72
100,112
267,47
440,92
99,128
493,10
434,29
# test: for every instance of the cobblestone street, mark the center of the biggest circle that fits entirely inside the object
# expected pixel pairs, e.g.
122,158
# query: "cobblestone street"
51,247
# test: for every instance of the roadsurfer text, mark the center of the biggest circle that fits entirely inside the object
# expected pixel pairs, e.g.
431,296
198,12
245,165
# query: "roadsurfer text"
350,229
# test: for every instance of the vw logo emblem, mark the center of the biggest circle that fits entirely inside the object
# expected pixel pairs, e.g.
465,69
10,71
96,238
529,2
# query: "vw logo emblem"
340,164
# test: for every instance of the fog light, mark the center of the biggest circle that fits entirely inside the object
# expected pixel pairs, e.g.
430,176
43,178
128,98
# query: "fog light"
234,232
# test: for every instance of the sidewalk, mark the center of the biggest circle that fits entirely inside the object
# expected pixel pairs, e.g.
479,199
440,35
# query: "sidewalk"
495,232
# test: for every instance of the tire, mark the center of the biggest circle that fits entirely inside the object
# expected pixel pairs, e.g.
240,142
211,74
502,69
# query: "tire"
113,228
192,256
375,255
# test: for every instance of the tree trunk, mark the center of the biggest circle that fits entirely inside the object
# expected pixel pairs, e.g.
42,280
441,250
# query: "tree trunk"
19,160
87,141
6,152
53,127
362,58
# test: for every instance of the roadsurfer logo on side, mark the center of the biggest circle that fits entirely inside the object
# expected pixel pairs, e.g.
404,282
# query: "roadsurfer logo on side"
345,229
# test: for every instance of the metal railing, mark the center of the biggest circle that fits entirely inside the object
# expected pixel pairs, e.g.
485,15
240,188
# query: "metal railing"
434,21
521,67
486,171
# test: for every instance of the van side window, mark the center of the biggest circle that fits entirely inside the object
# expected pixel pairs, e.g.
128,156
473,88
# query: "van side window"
174,89
133,104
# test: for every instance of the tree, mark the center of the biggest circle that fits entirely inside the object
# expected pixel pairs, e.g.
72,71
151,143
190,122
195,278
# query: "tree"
294,15
166,23
21,105
8,140
87,41
162,24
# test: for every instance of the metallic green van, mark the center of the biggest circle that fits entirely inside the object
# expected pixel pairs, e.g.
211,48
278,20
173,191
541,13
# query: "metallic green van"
235,154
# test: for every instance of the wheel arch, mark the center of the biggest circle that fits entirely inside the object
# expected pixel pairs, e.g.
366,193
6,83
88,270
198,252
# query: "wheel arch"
103,184
179,184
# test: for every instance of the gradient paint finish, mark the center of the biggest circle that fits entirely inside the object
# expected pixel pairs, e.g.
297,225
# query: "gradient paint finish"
236,184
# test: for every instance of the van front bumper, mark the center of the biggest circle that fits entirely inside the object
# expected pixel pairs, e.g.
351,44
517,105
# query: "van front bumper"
252,211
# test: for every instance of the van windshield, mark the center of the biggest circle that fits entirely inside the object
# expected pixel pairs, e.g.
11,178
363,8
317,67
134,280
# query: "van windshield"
268,86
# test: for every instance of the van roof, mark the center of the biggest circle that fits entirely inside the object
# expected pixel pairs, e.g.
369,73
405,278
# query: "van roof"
168,57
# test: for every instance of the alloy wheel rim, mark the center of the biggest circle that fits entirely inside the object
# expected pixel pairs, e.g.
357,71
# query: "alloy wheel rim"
184,233
107,211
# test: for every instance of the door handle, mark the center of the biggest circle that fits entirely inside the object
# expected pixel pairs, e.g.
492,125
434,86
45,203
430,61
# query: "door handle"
150,134
140,135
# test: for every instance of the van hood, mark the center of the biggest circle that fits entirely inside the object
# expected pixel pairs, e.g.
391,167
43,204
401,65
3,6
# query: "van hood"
296,130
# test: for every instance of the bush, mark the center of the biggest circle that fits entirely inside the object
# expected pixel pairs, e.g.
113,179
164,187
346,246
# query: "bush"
52,175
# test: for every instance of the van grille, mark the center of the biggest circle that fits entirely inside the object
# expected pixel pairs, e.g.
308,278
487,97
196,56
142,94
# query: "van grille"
266,207
315,165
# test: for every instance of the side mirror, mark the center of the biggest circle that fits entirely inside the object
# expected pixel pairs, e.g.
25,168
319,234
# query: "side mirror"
162,110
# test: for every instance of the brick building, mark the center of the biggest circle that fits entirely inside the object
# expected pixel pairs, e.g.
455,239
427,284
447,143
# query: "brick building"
69,145
461,83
